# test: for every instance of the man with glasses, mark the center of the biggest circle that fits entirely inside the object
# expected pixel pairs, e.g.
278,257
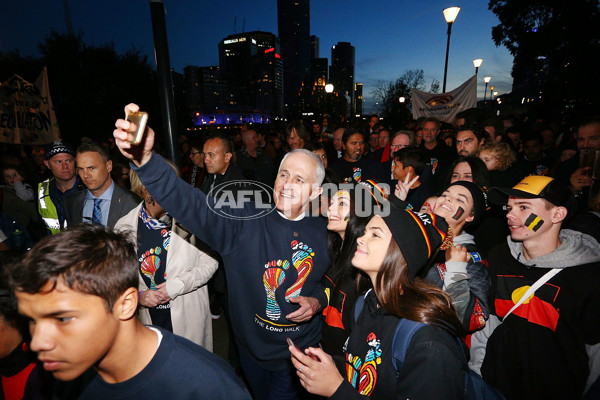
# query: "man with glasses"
194,174
400,140
373,143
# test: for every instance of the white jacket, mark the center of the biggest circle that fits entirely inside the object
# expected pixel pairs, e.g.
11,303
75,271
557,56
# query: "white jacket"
188,271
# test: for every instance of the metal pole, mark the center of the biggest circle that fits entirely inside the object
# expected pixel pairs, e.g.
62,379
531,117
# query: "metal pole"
165,80
447,51
484,93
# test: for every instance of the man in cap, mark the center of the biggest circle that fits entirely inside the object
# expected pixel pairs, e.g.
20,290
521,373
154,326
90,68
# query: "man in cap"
547,346
60,159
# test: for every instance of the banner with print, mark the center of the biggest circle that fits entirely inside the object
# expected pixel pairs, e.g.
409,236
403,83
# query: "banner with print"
445,106
26,111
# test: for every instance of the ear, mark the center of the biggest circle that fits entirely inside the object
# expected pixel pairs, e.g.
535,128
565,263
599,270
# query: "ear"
316,193
470,217
126,305
559,214
109,165
47,164
228,157
411,169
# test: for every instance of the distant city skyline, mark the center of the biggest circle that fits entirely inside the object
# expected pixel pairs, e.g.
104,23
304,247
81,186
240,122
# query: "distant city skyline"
390,37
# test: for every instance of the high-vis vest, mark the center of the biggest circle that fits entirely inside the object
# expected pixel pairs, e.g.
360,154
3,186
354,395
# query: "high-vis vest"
46,208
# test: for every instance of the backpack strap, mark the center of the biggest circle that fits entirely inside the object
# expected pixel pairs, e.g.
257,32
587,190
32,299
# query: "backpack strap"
360,303
402,337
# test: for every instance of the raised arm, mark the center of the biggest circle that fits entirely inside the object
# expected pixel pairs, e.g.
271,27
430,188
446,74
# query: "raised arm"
141,153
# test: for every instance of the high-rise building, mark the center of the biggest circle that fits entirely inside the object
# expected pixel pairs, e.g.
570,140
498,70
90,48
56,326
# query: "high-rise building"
234,52
266,77
312,95
314,47
293,21
318,70
341,71
252,60
205,88
358,99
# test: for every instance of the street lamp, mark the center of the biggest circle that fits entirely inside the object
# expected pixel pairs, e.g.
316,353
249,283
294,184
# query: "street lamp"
329,88
450,15
492,92
402,99
477,63
487,80
495,94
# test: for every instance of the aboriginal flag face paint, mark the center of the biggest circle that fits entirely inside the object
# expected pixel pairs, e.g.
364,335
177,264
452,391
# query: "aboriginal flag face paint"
459,212
533,222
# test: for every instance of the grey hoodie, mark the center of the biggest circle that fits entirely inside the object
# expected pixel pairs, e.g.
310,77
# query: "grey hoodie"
576,248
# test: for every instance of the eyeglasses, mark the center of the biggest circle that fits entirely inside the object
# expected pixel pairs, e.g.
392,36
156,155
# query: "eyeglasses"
193,153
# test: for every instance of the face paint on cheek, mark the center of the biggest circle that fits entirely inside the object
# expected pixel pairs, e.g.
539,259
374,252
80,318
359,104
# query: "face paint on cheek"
533,222
459,212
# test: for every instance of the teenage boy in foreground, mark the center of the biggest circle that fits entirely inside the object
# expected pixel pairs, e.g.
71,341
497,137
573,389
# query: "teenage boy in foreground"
549,346
79,289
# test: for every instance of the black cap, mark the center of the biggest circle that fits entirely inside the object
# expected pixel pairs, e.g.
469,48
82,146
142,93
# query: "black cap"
55,148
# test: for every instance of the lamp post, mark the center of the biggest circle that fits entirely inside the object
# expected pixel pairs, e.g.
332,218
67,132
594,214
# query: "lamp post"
487,80
450,15
495,95
402,99
477,63
492,92
329,89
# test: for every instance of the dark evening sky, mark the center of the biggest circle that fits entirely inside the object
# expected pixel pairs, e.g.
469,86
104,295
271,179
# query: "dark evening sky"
390,36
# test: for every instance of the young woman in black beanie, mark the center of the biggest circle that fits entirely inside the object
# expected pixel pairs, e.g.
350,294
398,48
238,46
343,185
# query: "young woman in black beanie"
461,269
392,251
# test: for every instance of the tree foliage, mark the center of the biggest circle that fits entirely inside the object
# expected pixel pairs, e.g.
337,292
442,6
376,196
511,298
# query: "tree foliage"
556,45
388,95
89,84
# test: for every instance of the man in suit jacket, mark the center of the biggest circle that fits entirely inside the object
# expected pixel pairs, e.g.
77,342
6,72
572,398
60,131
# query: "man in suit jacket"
103,202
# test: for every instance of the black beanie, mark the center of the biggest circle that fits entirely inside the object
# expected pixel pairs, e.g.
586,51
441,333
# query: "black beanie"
418,235
479,196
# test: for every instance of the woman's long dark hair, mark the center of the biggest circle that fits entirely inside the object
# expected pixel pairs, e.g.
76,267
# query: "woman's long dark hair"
415,299
478,170
342,251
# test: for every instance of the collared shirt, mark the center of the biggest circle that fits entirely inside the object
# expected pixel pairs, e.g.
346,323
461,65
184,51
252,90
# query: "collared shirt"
298,218
88,205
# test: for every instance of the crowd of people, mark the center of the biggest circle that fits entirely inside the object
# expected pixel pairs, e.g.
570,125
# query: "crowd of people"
444,249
